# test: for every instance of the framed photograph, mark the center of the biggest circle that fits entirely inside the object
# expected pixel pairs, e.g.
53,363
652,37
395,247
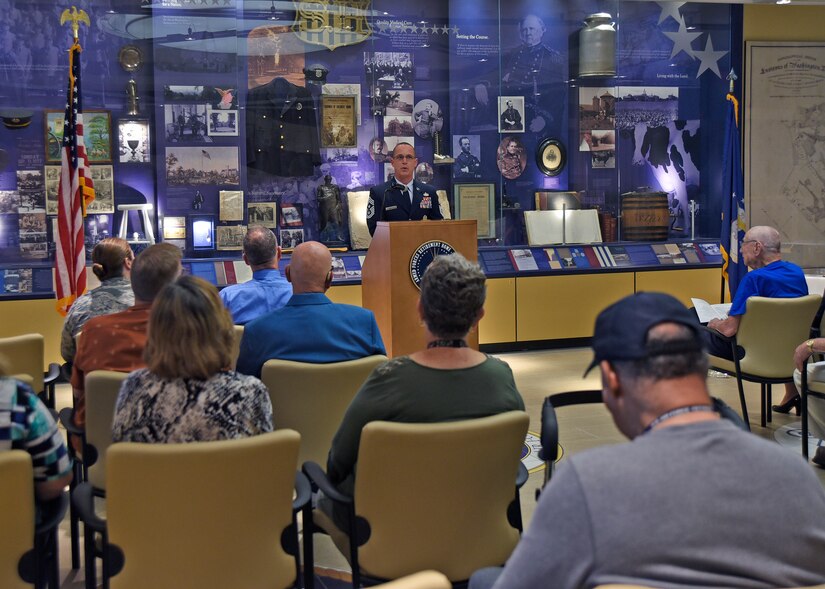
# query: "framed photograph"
174,228
551,157
262,213
134,145
292,215
511,157
221,123
291,238
104,201
477,201
338,121
230,237
511,114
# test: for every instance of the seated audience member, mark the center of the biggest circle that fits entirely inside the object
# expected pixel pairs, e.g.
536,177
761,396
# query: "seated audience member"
816,406
111,263
26,424
769,276
310,328
673,507
447,381
116,341
187,393
267,290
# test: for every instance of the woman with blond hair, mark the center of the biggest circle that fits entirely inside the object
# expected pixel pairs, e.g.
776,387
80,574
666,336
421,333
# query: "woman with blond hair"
111,263
187,393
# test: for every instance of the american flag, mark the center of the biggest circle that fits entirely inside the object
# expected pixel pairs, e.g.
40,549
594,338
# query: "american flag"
74,195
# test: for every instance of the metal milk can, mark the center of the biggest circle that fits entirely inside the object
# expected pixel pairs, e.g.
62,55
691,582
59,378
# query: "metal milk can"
597,46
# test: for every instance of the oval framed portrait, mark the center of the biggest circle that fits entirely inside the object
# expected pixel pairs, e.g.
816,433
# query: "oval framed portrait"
551,157
511,158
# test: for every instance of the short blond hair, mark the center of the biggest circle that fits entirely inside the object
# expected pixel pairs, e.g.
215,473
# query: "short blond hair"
190,333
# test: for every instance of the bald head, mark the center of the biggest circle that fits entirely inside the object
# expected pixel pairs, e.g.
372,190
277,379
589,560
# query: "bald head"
761,246
309,269
767,236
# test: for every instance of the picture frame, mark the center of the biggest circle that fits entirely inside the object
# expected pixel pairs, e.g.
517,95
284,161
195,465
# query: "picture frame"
134,141
551,157
338,121
511,121
477,201
221,122
104,184
97,135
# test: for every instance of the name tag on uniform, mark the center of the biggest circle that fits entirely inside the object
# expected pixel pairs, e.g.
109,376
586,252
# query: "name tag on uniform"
426,202
392,208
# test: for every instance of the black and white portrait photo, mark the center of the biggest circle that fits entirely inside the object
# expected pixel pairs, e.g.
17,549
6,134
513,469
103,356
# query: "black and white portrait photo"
511,114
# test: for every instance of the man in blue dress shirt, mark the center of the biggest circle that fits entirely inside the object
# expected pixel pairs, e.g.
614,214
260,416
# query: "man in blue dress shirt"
403,198
267,290
310,328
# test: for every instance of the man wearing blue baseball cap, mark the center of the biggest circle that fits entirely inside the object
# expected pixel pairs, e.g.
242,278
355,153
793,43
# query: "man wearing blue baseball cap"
674,507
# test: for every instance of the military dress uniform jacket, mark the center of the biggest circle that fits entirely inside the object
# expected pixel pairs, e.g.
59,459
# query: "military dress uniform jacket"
281,129
397,206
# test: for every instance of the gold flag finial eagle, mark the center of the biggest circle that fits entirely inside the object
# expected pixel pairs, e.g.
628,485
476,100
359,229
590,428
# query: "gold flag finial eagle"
76,17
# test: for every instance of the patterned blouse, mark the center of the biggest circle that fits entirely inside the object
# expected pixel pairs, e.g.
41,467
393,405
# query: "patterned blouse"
228,405
112,296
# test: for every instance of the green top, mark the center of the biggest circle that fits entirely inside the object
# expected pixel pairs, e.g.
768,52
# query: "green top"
403,391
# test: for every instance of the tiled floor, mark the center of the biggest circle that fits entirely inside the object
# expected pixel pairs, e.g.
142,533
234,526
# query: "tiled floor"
538,374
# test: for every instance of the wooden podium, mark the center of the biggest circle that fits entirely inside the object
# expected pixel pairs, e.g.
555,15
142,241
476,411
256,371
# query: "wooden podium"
387,288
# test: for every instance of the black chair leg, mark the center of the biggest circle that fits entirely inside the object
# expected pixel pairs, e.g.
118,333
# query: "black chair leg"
742,401
768,403
89,557
309,556
763,393
803,402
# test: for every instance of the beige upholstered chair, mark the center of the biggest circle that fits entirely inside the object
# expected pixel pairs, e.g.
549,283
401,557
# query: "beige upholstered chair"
809,388
236,346
422,580
28,555
312,398
102,388
424,490
769,332
18,523
206,515
25,355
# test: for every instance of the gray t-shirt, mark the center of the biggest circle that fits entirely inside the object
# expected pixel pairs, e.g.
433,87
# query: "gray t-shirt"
700,505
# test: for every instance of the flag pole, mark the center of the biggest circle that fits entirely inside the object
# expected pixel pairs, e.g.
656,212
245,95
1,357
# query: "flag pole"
76,189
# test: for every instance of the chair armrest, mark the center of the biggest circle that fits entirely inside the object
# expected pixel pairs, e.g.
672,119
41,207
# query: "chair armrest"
52,374
522,476
83,500
303,492
319,478
67,422
727,338
52,512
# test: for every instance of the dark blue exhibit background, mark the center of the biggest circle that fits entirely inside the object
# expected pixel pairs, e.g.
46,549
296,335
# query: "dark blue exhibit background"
461,52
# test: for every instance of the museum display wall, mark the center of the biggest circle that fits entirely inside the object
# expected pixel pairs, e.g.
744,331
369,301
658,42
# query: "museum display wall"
204,116
146,65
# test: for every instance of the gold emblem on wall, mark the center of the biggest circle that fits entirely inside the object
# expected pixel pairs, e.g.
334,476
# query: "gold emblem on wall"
332,23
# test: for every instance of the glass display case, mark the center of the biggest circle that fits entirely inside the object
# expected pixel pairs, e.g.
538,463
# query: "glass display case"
553,123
